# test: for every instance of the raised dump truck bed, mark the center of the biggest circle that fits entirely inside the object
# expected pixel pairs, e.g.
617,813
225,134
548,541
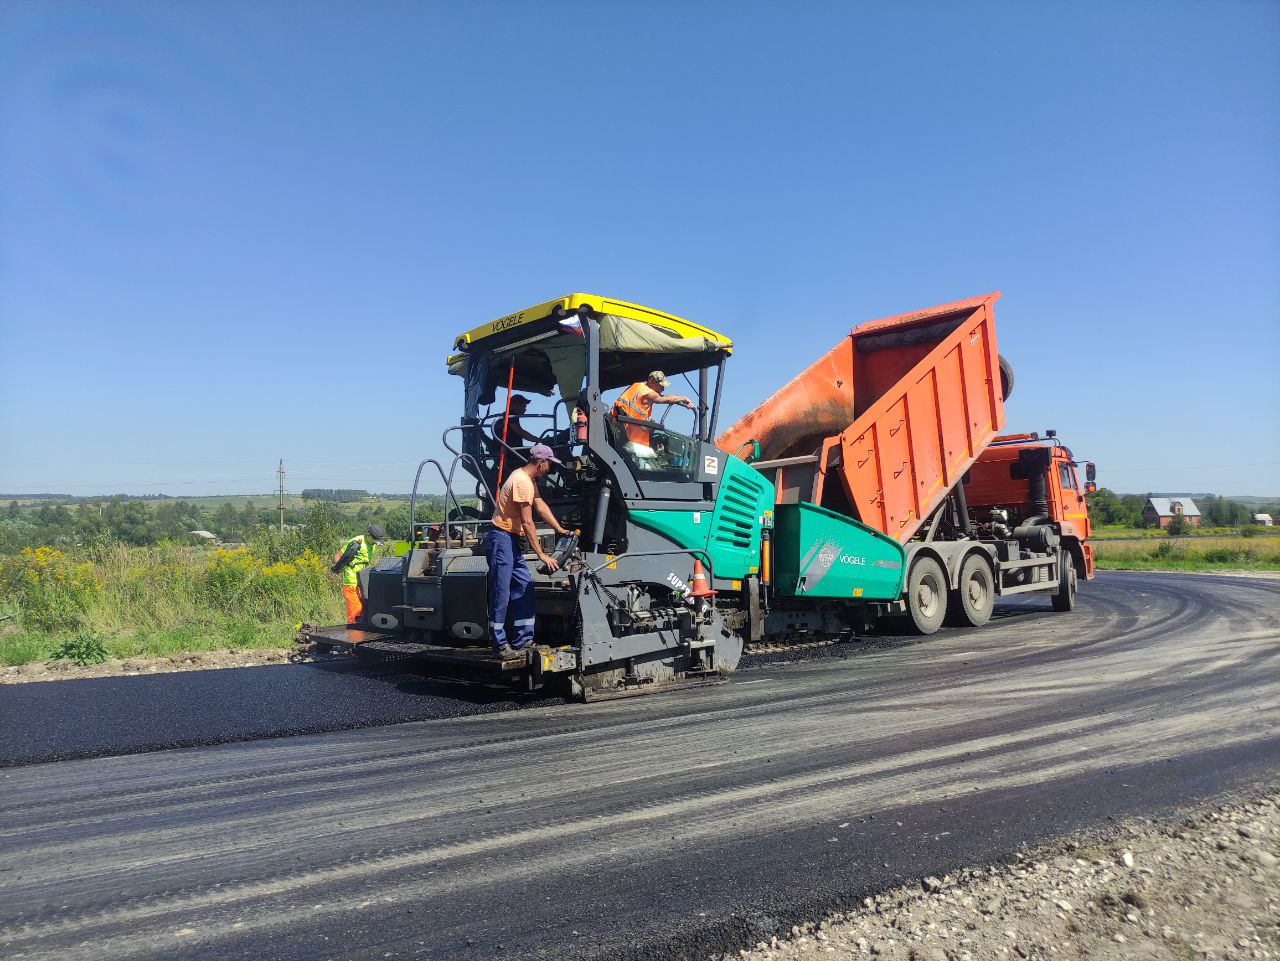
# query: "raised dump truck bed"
870,446
882,425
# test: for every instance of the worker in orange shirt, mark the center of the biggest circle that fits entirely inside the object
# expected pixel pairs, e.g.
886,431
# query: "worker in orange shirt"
510,581
637,401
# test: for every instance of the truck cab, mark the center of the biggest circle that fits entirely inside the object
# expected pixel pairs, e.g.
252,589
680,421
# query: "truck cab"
1003,490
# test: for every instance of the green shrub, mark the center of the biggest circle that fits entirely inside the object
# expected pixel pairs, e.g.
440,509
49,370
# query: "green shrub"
1229,555
82,650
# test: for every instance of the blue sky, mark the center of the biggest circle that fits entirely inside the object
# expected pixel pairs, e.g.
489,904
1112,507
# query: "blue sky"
234,232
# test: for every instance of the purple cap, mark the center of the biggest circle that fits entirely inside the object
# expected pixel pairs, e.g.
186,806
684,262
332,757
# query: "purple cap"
543,452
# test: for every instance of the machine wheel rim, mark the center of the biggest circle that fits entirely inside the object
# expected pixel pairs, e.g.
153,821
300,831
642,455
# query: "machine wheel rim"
976,592
927,596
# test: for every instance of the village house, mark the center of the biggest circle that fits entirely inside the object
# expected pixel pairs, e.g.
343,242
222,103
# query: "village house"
1160,511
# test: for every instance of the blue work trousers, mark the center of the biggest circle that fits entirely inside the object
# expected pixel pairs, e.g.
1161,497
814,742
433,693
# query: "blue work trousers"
510,590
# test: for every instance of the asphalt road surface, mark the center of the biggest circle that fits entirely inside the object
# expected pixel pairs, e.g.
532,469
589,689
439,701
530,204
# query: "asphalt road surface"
673,825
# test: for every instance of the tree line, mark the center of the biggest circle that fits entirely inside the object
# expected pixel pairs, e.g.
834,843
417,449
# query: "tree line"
1125,510
140,523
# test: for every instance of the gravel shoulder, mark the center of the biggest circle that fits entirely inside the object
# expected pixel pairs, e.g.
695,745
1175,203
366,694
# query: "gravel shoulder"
1203,884
1266,575
131,666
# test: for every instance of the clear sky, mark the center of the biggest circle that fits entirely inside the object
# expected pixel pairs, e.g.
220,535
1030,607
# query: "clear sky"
235,232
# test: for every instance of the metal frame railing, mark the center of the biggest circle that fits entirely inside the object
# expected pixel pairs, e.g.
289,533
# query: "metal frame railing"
447,480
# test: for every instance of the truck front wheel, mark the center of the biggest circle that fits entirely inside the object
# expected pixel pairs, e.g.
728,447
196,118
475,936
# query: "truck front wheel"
971,602
1065,597
926,595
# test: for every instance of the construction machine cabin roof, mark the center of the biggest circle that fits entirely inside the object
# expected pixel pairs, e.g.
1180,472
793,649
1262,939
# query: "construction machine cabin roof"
573,303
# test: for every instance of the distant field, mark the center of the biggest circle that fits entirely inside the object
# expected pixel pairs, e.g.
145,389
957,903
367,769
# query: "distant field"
1108,532
214,502
1190,554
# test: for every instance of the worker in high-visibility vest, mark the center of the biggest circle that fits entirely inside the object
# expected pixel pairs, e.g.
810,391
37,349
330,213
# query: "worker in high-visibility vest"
637,401
355,555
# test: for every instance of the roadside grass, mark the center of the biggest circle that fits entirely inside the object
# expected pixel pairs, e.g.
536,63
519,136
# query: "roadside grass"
1227,553
157,601
1115,531
22,647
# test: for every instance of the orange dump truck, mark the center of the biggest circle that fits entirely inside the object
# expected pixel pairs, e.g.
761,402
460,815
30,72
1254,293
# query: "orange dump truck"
890,429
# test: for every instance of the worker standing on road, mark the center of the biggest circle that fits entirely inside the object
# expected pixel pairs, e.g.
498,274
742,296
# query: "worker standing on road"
509,577
637,401
354,556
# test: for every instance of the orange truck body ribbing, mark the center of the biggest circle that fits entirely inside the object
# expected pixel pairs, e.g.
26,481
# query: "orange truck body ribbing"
898,411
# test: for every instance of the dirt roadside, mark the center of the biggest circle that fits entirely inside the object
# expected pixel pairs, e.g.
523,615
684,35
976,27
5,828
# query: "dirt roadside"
1201,886
1244,572
195,661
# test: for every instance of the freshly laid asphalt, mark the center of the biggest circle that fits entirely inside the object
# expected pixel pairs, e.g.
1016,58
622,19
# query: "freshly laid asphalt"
675,825
61,720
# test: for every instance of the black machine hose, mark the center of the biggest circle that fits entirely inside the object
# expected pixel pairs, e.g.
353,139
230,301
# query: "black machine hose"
602,514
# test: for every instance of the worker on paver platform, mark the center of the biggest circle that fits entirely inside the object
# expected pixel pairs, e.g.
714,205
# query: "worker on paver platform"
354,556
517,436
510,589
637,401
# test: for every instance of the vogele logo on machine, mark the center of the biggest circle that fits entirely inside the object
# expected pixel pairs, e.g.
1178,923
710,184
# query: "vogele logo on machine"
506,323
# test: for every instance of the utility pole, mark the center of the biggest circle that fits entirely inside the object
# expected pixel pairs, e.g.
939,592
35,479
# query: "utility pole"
280,473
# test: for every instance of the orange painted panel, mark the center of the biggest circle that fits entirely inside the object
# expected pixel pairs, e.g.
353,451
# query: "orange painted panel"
981,371
952,416
926,452
862,477
892,433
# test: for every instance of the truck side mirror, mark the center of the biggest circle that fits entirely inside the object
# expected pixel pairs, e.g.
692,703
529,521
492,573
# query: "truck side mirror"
1090,487
1090,472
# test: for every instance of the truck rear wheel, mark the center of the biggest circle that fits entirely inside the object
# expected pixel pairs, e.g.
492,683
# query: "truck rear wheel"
971,602
926,595
1065,598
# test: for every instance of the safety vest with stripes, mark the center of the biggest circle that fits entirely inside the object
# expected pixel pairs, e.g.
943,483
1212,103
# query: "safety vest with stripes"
363,558
636,401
